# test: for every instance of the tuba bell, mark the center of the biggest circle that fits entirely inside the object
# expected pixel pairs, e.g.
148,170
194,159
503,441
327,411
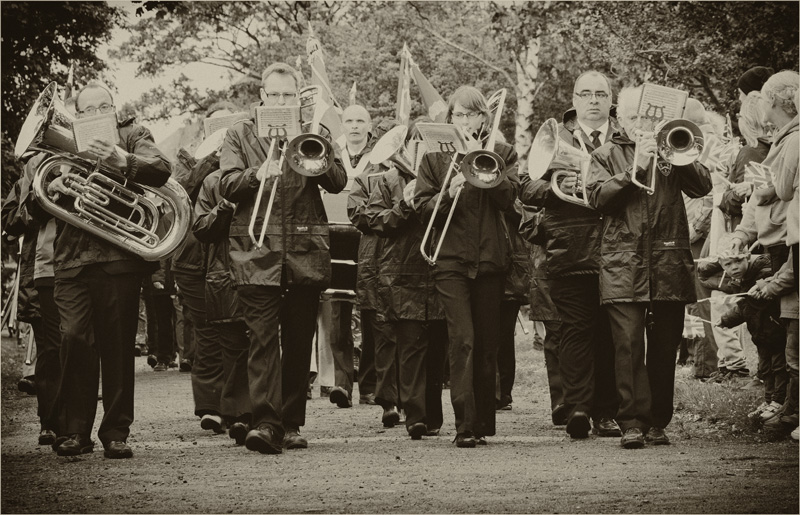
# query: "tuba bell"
146,221
548,151
392,147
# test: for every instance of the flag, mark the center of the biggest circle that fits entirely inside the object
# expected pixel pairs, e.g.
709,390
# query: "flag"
353,94
328,111
759,174
434,103
404,87
69,86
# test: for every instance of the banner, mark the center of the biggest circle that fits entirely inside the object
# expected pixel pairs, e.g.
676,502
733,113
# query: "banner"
434,103
330,115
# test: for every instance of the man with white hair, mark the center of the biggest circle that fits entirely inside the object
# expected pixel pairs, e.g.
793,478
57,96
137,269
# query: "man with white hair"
646,268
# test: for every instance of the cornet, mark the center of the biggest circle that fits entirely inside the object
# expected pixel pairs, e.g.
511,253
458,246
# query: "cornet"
146,221
548,151
679,142
308,154
482,168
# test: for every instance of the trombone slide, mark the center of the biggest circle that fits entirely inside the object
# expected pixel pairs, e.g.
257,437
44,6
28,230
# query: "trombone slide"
432,259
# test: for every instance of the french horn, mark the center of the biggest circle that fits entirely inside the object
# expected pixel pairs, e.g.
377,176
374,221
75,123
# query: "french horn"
147,221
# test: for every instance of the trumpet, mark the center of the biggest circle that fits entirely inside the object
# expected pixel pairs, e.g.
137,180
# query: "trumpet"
548,151
482,168
308,154
679,142
146,221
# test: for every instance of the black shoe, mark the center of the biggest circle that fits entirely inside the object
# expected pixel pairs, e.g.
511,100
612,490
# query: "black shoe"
293,440
186,365
632,439
339,397
27,385
560,414
391,417
578,425
262,439
238,432
152,360
606,427
118,451
656,436
465,440
417,430
212,423
75,445
46,437
58,441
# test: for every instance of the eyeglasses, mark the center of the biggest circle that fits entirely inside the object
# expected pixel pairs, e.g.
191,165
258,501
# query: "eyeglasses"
587,95
461,116
276,96
104,108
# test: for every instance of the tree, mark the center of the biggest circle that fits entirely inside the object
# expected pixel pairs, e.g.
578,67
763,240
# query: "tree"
39,40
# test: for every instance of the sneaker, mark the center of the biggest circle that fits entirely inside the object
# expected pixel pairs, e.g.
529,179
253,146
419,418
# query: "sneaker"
632,439
770,411
160,367
186,365
656,436
758,411
212,423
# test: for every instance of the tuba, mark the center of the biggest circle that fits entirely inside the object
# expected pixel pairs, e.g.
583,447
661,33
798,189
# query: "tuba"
146,221
548,151
482,168
308,154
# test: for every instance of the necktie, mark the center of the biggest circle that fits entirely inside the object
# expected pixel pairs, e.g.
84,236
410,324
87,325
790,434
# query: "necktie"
596,139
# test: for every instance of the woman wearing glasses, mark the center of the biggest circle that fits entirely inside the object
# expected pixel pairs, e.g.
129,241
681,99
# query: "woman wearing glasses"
470,271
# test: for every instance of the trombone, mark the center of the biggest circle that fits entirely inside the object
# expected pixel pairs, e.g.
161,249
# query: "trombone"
679,142
483,169
308,154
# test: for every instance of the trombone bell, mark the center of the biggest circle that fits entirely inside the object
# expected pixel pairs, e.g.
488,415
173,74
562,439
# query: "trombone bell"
309,155
483,169
680,142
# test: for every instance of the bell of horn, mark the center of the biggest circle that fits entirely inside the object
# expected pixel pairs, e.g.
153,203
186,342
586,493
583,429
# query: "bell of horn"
680,142
48,125
548,151
392,147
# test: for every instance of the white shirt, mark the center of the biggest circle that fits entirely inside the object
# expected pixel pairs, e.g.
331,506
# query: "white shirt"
603,131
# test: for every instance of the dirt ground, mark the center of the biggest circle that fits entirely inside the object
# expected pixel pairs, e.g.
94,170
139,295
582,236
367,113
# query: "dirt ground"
354,465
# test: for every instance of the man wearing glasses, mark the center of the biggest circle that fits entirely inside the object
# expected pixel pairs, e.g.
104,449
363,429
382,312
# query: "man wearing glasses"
97,294
280,283
586,351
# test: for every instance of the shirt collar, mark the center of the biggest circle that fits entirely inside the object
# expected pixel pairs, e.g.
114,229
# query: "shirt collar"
603,131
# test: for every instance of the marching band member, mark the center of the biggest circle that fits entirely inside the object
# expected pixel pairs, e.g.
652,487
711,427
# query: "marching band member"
280,283
97,294
572,253
646,265
470,272
408,300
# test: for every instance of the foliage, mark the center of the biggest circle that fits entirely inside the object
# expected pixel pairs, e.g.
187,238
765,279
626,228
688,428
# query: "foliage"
39,40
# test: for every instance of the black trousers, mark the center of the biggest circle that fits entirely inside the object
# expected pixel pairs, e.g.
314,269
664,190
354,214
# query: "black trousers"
367,377
164,321
586,353
386,370
552,344
472,309
99,313
47,332
420,348
279,361
506,356
646,391
219,368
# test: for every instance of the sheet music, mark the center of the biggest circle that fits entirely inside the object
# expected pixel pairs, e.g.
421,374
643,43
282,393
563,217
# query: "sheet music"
661,102
442,137
212,125
101,126
278,121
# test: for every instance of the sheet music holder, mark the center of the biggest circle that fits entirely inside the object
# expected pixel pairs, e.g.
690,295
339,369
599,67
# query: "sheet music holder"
661,102
442,137
101,126
212,125
278,121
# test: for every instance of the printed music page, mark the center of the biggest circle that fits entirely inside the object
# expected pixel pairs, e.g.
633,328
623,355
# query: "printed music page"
442,137
101,126
661,102
212,125
278,121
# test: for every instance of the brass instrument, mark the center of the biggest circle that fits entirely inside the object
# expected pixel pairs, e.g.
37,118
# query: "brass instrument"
308,154
392,147
482,168
679,142
548,152
147,221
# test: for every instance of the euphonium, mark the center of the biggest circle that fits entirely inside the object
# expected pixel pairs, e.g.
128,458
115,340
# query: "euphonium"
548,152
146,221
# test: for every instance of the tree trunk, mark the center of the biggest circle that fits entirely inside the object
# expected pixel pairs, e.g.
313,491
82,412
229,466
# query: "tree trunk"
527,82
